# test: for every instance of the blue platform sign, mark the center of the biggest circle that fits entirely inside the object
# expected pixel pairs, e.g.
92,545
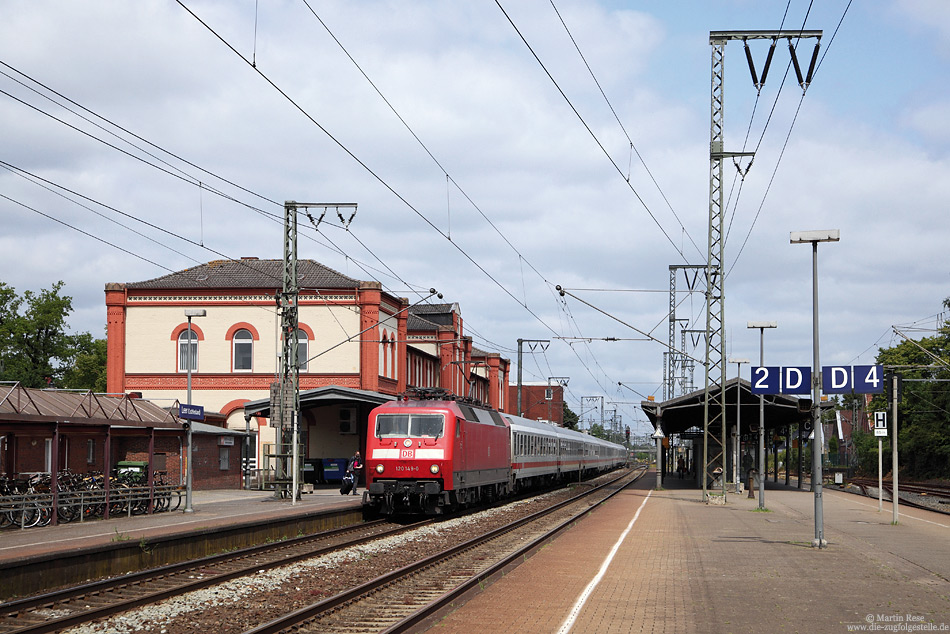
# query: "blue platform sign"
768,379
860,379
796,380
869,379
836,379
191,412
765,379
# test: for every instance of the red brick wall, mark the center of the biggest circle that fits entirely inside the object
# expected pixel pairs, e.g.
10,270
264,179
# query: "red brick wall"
30,454
166,449
207,468
534,405
30,457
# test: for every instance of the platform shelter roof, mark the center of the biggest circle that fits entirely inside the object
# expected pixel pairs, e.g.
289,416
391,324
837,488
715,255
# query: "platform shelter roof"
19,404
684,414
322,396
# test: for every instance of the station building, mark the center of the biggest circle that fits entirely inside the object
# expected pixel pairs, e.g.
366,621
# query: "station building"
358,346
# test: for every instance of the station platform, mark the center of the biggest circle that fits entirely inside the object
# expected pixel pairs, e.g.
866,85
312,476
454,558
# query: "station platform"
211,509
663,561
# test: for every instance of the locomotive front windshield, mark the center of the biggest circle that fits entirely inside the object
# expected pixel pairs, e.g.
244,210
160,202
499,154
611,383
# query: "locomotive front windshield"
409,425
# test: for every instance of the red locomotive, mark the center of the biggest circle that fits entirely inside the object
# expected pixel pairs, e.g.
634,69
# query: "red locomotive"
432,456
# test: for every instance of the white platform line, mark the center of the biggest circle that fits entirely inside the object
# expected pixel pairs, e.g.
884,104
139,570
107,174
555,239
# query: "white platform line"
582,599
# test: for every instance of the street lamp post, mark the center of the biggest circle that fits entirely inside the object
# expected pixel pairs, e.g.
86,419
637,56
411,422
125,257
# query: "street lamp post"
762,325
813,238
190,361
737,473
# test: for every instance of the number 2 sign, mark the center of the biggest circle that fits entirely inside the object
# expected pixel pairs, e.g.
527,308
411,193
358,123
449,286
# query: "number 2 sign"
860,379
777,380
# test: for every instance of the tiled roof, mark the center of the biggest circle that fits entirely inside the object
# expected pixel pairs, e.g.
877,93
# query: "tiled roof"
248,273
415,323
434,309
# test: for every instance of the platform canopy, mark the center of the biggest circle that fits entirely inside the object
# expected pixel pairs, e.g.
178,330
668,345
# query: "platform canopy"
321,397
684,414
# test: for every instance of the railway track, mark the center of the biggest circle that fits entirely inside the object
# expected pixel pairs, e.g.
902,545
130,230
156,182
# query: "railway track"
938,493
73,606
403,599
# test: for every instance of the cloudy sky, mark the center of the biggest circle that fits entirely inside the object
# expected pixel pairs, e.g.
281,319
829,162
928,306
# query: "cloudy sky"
496,150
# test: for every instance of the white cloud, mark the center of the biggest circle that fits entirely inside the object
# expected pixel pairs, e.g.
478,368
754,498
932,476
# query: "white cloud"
466,84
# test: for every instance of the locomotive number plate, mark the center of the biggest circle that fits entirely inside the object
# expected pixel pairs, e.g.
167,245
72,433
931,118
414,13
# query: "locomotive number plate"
407,454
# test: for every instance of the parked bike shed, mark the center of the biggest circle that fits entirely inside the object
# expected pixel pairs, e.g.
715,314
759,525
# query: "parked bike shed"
45,431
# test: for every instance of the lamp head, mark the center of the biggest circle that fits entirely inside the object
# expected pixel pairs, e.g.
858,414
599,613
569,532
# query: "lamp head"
822,235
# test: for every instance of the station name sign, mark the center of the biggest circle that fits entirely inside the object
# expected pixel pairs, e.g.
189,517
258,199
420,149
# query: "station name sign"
835,379
191,412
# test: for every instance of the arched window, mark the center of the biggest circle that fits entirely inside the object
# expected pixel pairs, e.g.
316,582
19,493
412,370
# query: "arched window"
187,352
243,345
302,350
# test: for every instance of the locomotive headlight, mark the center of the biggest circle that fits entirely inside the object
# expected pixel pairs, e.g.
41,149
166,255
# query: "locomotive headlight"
379,468
434,469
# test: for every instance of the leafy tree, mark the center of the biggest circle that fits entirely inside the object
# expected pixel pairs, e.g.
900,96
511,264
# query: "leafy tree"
866,447
597,430
88,371
924,408
569,418
36,349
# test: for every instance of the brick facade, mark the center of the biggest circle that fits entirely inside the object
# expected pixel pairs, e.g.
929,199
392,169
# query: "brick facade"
357,336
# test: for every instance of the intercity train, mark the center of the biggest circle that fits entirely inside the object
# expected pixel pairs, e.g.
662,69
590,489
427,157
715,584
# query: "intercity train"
434,456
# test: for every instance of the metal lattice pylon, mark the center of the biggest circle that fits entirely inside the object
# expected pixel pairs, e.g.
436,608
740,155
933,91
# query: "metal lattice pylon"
714,448
676,361
714,394
286,477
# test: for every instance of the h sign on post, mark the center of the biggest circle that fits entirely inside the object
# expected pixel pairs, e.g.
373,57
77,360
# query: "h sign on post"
880,423
191,412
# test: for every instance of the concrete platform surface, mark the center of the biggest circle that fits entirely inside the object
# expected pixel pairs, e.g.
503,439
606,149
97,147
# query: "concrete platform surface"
680,565
211,508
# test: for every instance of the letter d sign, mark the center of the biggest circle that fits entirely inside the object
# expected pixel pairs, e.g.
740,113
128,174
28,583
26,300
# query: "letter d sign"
796,380
836,379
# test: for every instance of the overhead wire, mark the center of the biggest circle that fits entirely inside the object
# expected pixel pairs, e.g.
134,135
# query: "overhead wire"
373,173
180,173
788,135
449,178
587,127
85,233
364,165
171,169
633,145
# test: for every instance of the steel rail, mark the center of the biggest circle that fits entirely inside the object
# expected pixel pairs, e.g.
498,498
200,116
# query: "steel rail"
940,491
14,613
297,619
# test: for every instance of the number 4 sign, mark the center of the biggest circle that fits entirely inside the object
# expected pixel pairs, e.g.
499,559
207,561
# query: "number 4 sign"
860,379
